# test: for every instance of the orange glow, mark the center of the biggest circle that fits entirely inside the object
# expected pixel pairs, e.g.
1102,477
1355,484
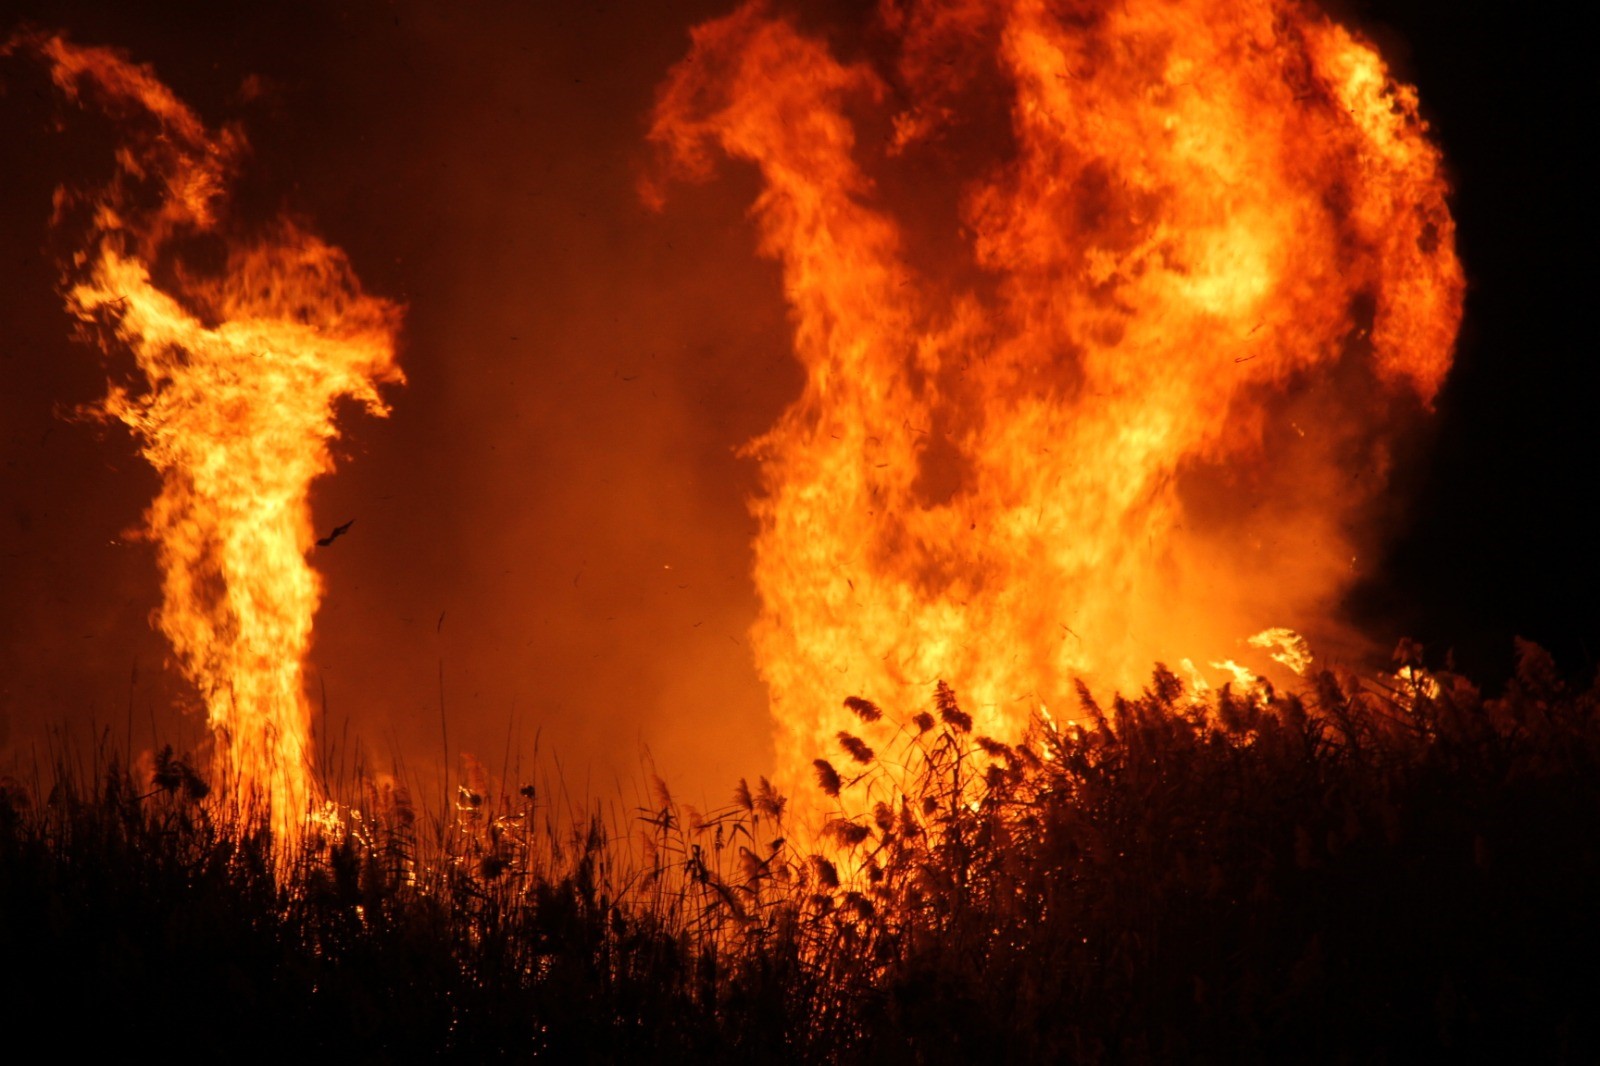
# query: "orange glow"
238,372
1206,275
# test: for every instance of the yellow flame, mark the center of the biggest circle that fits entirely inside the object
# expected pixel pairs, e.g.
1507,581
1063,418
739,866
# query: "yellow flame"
237,376
1285,646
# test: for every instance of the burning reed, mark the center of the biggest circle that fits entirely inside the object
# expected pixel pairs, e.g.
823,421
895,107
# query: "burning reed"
1348,873
1109,314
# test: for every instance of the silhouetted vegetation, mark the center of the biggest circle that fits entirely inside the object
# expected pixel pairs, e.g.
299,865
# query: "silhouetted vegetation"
1345,874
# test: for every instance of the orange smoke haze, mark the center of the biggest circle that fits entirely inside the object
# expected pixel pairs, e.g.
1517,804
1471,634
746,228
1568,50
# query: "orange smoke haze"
914,357
553,515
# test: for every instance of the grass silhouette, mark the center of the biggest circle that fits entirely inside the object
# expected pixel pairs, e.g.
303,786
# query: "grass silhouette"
1344,874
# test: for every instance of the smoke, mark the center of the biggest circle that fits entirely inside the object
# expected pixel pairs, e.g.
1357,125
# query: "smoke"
553,520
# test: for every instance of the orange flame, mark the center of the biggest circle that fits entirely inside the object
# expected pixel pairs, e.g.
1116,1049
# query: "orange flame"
238,376
1208,268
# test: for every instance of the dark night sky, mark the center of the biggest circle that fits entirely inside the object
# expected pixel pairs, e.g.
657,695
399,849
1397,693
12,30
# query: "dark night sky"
578,381
1501,542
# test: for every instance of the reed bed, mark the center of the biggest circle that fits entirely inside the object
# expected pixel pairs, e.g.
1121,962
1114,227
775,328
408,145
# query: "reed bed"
1348,873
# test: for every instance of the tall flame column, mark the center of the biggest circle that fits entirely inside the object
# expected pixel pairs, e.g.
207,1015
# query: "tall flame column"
1206,274
237,374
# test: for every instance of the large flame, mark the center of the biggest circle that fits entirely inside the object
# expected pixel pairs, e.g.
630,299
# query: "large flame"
238,371
1137,412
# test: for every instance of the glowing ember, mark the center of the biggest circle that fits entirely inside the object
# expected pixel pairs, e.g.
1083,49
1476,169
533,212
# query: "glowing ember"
238,375
1206,273
1285,646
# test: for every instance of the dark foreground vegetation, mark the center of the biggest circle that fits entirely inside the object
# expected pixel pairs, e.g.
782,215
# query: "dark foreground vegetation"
1342,875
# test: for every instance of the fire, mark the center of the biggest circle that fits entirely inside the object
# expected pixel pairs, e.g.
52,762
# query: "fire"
1136,415
238,372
